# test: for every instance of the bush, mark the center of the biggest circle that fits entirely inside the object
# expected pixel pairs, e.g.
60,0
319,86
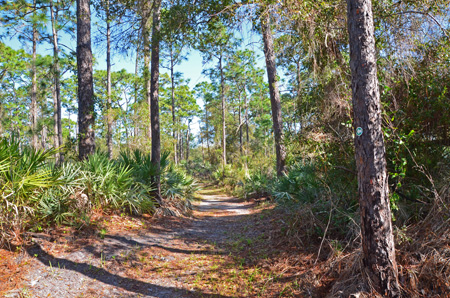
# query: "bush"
257,185
111,184
24,174
35,192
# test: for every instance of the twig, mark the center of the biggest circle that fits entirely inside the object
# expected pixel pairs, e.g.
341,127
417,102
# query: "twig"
323,238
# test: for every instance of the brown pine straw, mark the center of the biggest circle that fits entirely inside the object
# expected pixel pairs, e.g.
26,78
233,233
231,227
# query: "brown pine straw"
423,257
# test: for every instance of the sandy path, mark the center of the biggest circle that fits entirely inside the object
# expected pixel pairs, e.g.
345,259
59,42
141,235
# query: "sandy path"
112,266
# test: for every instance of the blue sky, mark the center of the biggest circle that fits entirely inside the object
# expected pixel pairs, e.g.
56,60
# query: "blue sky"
190,68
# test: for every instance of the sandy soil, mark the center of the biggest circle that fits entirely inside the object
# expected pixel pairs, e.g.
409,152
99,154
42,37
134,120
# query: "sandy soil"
110,264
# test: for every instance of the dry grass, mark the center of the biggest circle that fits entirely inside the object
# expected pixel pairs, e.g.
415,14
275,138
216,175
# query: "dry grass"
275,253
423,258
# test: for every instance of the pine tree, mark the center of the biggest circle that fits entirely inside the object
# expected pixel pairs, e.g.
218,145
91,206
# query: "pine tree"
376,226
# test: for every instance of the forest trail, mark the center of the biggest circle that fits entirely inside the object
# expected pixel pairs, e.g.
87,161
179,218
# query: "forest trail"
126,257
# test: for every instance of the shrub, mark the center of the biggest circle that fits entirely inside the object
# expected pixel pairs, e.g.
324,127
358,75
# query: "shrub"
24,173
115,185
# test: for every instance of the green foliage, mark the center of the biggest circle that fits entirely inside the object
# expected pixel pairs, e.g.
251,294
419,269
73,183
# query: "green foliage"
141,165
177,184
257,185
177,187
301,184
35,192
23,175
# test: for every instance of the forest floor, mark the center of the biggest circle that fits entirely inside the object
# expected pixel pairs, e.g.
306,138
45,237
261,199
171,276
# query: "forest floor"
227,248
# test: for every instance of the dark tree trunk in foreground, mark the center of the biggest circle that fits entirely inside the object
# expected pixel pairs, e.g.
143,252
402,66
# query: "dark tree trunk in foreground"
86,136
154,99
274,94
376,226
109,119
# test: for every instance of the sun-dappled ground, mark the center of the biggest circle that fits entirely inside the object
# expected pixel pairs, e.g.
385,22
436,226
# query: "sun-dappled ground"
228,248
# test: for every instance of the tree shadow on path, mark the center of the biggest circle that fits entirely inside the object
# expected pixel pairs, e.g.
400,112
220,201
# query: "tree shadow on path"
102,275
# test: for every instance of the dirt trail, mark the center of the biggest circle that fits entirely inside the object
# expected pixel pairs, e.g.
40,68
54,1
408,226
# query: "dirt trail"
137,258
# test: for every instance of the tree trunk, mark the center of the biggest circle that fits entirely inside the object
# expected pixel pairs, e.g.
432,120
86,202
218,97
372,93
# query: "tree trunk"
44,137
188,134
154,115
86,114
1,117
207,129
146,52
57,87
240,127
376,227
247,147
180,143
109,119
201,141
224,132
34,110
136,72
172,93
274,94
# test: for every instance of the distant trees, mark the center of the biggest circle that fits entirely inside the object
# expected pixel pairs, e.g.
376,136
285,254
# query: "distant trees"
300,113
216,42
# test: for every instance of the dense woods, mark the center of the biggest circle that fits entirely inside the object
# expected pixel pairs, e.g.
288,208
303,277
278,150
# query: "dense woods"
337,112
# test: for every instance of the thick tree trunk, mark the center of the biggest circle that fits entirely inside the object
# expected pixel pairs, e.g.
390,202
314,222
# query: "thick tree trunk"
57,87
224,130
274,94
34,109
86,114
376,227
156,135
109,119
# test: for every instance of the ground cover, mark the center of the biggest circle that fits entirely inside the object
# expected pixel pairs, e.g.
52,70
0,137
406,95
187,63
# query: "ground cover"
228,248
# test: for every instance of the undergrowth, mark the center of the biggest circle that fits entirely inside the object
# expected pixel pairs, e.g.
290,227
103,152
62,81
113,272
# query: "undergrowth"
35,193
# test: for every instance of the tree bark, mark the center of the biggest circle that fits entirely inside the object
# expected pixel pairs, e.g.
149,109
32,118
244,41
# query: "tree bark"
274,94
188,135
240,125
376,226
207,128
57,87
108,82
201,141
247,147
136,72
224,130
86,114
34,110
146,53
154,115
172,94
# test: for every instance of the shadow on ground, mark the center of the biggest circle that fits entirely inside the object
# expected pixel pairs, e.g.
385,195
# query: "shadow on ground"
105,277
